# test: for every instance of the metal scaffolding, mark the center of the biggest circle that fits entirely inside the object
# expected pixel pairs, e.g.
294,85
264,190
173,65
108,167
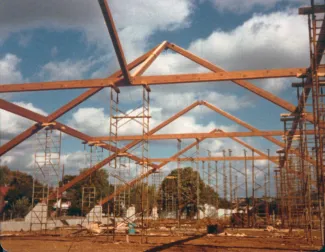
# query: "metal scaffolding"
317,38
46,177
299,176
121,162
179,183
156,180
89,197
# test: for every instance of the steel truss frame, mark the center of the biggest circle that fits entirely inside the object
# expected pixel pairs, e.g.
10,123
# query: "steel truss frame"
124,78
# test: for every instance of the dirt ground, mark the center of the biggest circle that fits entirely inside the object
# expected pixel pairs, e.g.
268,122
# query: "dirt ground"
254,240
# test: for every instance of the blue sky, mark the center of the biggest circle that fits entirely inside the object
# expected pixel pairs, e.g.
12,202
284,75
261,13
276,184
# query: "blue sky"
62,40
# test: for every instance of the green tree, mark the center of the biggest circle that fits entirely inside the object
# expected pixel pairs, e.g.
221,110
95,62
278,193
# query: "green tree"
21,207
190,180
4,171
142,195
21,185
99,179
20,193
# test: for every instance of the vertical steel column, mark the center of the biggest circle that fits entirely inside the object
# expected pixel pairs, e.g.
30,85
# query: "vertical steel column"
268,174
253,190
224,171
179,183
145,160
209,178
197,179
113,131
230,184
282,195
268,188
277,193
236,192
217,190
246,188
203,171
289,199
209,168
266,207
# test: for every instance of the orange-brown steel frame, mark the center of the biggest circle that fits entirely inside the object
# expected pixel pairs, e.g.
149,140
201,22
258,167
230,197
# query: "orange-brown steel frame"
123,78
218,134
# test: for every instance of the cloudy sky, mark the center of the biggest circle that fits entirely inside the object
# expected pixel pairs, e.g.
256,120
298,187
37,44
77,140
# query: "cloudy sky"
67,39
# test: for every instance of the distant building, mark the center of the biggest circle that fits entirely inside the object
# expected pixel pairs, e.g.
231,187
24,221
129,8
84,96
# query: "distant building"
63,205
3,192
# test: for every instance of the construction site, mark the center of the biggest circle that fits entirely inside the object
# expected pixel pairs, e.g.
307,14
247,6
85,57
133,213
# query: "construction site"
197,199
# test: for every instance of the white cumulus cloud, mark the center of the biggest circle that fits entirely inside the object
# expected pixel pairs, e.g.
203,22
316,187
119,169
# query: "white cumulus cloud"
9,69
239,6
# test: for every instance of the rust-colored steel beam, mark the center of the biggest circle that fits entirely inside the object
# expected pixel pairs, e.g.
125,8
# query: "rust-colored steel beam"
147,63
59,85
304,96
242,123
232,158
157,80
220,76
181,152
15,109
247,85
115,38
66,108
123,150
246,145
19,139
321,43
248,126
61,127
195,135
309,10
146,174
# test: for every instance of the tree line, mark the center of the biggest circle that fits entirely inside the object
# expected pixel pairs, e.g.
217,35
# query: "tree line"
19,196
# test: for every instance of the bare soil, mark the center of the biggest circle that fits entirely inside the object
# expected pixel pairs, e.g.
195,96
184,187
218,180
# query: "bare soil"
254,240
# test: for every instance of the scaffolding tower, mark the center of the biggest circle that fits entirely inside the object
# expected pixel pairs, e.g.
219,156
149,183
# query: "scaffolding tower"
316,38
88,201
121,163
224,176
262,180
156,180
93,155
46,177
297,176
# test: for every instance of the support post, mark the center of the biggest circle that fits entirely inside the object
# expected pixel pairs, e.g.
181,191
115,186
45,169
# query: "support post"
179,184
198,181
246,189
253,190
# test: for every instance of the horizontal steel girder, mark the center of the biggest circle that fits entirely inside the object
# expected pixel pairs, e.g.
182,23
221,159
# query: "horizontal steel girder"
309,10
154,80
221,158
196,135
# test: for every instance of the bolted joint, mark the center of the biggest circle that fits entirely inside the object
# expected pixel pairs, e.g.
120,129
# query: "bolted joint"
116,89
147,87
